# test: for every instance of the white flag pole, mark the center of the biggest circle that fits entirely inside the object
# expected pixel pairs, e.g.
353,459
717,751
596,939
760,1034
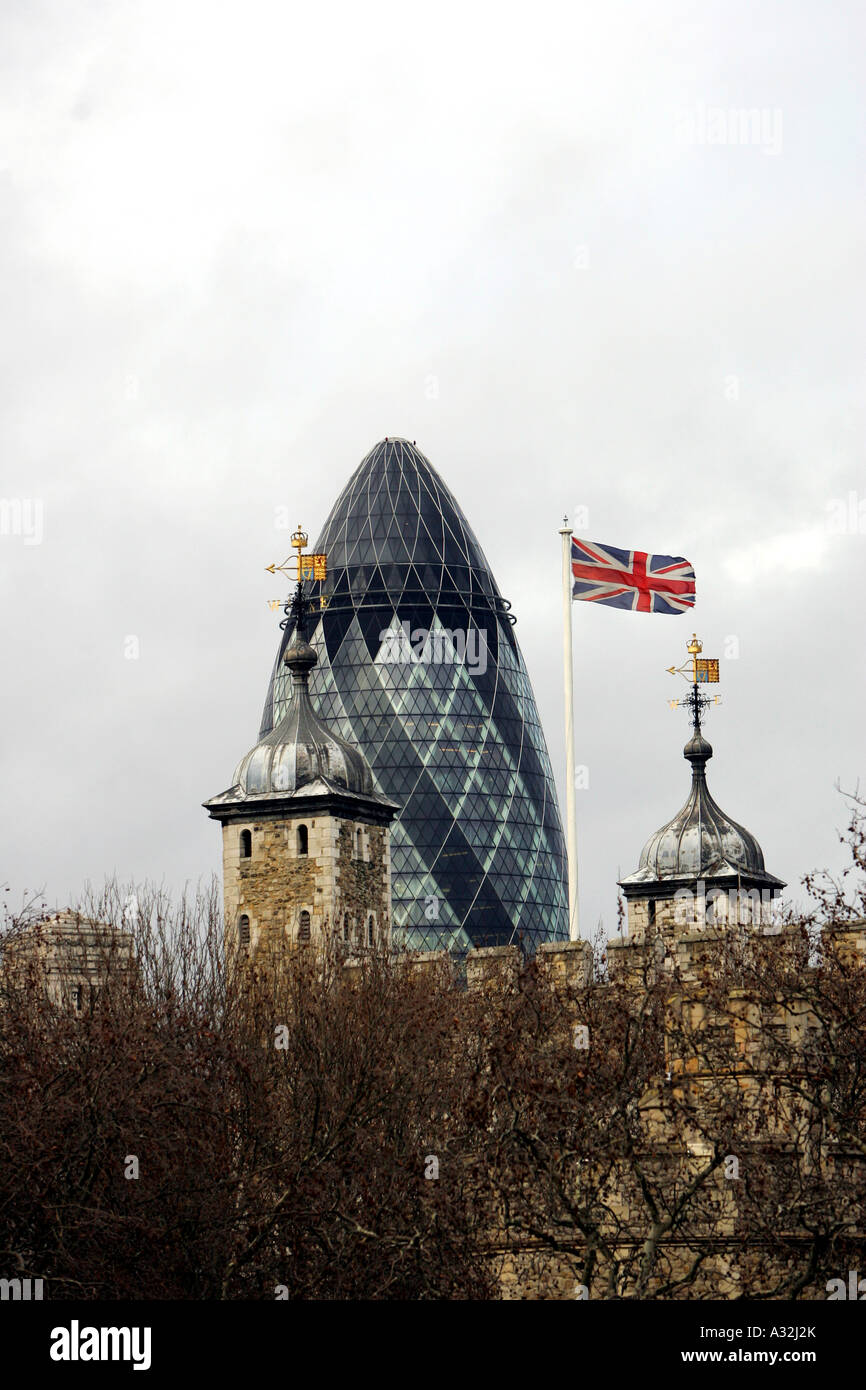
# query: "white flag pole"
568,673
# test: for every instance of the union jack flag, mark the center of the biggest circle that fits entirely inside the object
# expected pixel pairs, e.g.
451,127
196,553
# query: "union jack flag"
631,578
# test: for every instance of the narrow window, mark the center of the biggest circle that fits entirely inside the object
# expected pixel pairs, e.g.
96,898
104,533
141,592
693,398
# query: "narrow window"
359,845
76,998
246,844
303,839
358,931
651,912
370,930
304,926
244,930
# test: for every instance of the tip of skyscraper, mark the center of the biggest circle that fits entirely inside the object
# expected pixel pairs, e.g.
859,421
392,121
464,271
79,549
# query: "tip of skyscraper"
420,666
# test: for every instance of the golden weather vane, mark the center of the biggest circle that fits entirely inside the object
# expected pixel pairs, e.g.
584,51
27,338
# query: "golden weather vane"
306,567
698,670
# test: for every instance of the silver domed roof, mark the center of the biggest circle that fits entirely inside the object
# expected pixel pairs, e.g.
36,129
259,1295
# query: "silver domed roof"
701,842
302,757
301,749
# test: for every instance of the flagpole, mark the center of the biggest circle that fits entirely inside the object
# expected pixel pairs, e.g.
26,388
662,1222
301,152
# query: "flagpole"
568,674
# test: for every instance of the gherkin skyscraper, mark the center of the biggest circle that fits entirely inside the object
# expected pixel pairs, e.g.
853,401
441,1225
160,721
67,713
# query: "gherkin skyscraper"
420,667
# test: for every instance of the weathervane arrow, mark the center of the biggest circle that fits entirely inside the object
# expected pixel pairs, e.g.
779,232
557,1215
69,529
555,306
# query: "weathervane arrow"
698,670
312,567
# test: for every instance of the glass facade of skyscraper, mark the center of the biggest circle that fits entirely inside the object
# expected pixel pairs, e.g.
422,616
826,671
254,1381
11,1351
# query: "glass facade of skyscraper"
419,666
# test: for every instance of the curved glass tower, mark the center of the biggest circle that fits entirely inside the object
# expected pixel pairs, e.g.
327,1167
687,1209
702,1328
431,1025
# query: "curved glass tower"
419,666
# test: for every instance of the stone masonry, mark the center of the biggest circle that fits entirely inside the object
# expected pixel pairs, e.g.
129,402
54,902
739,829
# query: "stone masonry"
343,881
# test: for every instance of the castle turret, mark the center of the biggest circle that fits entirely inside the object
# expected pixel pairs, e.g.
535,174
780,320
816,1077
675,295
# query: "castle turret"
306,837
701,867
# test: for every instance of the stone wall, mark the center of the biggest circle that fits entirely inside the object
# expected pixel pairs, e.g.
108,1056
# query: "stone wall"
70,955
277,882
709,907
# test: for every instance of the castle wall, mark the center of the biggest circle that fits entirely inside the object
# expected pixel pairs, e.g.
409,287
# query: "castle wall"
71,956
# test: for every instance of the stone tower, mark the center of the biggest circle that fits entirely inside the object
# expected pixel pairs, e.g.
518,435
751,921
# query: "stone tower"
306,837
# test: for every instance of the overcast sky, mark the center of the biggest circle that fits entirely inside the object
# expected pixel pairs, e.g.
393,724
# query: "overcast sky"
240,243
